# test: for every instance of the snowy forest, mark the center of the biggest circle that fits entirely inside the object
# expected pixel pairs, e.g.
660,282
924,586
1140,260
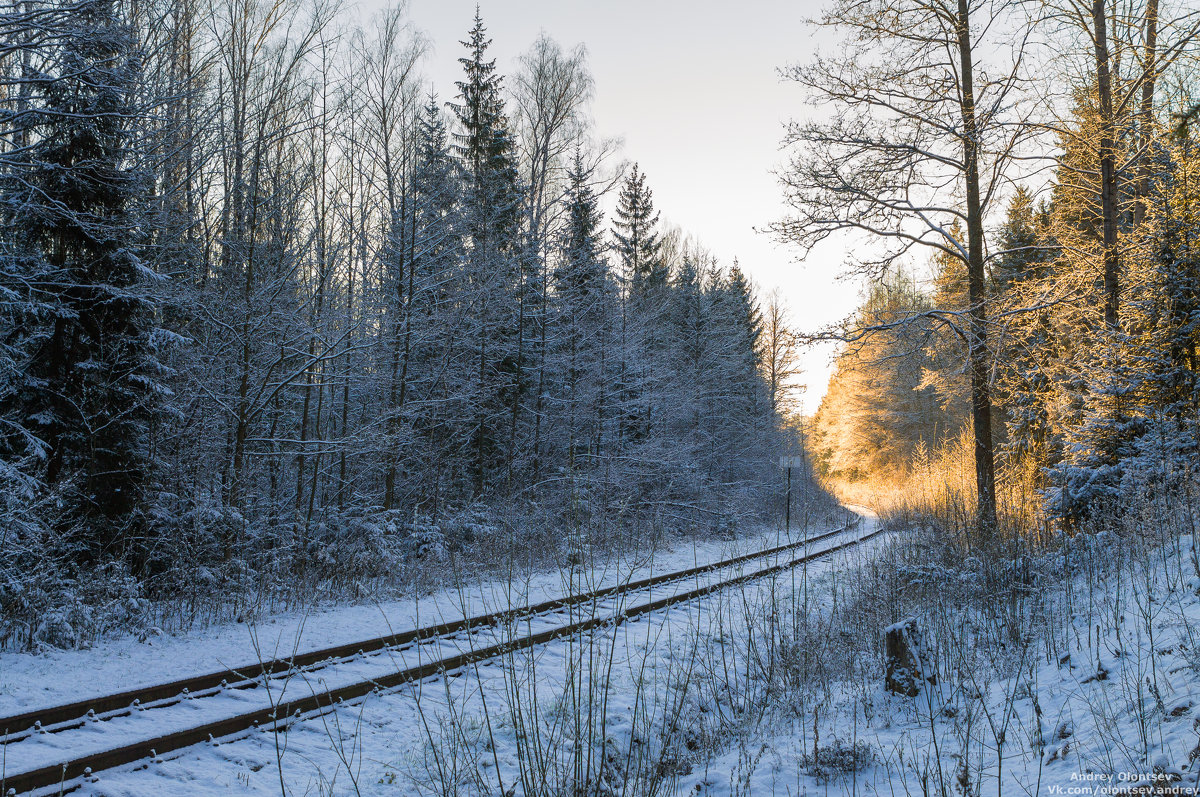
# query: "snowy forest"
363,435
1025,352
277,318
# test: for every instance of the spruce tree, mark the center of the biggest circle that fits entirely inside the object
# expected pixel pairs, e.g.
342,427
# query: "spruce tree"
688,317
441,297
419,269
637,242
735,332
746,323
437,216
1138,421
581,275
1023,244
485,148
945,348
1023,263
643,274
585,303
72,202
1167,346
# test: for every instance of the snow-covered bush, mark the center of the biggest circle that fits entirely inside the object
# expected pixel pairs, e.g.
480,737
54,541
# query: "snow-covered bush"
345,548
105,601
47,599
424,540
27,571
57,605
837,757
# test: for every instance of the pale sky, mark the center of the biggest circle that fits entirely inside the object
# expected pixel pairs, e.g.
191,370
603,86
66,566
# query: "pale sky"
692,88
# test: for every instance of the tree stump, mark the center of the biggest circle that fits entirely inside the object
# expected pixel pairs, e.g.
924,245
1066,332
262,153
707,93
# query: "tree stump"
903,653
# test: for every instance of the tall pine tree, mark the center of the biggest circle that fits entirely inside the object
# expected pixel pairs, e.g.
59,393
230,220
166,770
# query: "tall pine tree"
492,206
71,200
637,241
586,303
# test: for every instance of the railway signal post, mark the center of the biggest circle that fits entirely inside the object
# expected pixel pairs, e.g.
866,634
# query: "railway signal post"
787,463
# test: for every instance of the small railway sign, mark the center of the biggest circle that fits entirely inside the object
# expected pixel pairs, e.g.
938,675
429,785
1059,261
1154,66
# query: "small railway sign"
787,463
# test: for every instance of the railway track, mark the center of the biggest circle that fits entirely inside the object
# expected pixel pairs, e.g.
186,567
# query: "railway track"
90,716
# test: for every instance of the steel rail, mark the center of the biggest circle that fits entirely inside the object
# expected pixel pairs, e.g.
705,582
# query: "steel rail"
73,715
68,775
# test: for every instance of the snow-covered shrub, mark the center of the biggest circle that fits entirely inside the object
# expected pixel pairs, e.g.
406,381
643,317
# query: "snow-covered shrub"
206,563
109,600
60,606
46,597
425,541
838,757
195,539
351,547
28,572
26,596
1116,463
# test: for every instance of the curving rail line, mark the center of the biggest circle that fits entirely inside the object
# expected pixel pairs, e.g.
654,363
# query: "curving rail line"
68,775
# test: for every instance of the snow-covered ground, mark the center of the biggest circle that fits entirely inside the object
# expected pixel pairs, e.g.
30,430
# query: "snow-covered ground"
29,680
1099,701
471,732
1107,702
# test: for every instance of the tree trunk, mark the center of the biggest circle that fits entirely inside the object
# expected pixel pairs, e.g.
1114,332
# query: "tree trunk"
1149,79
395,397
1108,170
978,352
